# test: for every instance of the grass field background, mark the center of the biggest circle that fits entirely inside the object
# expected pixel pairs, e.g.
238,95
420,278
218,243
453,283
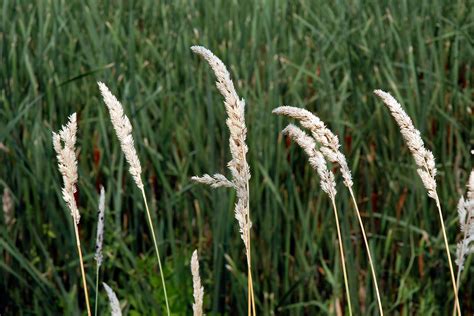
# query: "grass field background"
326,56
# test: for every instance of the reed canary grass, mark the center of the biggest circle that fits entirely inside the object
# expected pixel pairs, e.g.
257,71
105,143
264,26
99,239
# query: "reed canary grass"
123,129
328,184
329,147
238,166
67,164
113,301
425,161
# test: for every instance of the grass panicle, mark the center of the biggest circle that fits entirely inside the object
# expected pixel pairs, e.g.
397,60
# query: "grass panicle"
123,129
329,147
114,303
238,166
67,164
328,185
425,161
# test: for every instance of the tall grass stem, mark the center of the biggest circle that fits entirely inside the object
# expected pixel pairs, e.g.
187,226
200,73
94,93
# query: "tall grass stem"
96,289
451,270
372,269
343,257
83,273
156,249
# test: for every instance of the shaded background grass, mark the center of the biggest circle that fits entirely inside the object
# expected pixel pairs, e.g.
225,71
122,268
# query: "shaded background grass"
327,56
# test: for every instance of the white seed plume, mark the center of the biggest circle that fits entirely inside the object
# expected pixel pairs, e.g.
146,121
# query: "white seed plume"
216,180
8,208
316,159
113,301
67,163
198,289
424,158
123,129
328,141
100,228
238,166
466,222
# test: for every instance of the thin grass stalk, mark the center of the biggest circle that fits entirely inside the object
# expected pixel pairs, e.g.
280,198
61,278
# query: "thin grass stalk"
328,185
453,280
83,272
329,147
250,280
96,289
371,263
249,256
343,257
156,249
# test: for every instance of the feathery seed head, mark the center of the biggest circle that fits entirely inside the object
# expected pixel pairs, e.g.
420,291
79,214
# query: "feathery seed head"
323,135
424,158
235,109
123,129
113,301
235,121
215,181
67,163
316,159
198,289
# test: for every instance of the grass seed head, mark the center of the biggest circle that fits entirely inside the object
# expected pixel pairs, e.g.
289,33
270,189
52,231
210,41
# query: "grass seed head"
67,163
123,129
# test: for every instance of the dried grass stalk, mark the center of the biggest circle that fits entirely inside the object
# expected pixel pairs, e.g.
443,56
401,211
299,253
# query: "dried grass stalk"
425,161
329,147
328,185
198,289
238,166
67,164
123,129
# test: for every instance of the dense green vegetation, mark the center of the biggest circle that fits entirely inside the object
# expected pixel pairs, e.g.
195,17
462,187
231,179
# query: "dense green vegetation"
326,56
